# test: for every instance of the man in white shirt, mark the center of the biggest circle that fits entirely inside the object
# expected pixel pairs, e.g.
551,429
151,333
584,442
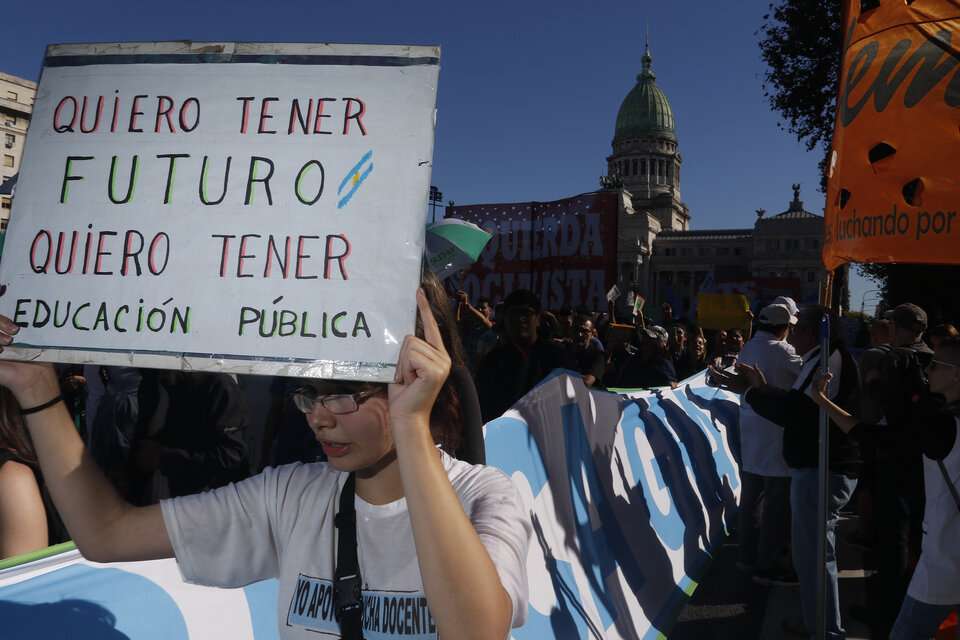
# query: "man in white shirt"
765,496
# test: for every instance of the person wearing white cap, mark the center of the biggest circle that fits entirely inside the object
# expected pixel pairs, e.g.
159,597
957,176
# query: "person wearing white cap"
765,495
790,304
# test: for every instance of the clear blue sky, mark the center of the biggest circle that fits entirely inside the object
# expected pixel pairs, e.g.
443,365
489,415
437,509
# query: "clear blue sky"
529,90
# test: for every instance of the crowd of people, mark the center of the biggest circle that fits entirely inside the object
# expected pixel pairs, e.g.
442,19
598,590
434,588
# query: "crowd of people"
162,434
515,344
892,443
893,410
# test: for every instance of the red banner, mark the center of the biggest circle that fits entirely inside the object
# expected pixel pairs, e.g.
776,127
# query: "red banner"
565,251
894,191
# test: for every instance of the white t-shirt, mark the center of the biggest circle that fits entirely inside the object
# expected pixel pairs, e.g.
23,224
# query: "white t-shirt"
279,524
936,579
761,441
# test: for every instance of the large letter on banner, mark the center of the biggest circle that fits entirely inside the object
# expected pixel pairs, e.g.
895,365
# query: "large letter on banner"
629,496
893,189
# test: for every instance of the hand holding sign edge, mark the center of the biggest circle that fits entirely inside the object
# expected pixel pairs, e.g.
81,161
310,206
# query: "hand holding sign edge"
31,383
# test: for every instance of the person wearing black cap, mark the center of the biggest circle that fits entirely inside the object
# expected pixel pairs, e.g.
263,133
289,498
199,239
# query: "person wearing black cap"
520,361
889,397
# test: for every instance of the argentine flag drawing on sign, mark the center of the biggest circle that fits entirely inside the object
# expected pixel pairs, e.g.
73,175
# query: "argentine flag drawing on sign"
354,178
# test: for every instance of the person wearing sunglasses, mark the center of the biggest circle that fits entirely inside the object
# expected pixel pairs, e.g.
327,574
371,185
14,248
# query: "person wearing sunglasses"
440,546
934,589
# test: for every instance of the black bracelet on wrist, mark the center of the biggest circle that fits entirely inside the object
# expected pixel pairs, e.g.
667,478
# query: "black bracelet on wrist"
41,407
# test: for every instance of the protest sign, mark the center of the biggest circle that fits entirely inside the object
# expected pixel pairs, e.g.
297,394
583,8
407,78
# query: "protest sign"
721,311
223,207
893,194
565,251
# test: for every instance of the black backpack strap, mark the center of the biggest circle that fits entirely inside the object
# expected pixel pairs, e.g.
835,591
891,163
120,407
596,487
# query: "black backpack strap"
347,581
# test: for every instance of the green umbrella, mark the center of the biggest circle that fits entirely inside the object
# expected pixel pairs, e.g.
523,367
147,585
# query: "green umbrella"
453,245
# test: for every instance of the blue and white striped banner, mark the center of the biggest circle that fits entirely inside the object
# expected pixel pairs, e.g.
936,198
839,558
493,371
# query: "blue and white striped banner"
630,495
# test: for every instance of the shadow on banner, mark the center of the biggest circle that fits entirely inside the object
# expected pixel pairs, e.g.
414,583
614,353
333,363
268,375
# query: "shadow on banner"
630,495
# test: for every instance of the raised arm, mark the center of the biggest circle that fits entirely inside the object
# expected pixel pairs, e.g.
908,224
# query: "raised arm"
464,304
105,527
841,418
460,580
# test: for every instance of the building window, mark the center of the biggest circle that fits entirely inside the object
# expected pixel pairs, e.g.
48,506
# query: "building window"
812,243
793,243
12,95
7,161
666,277
9,140
737,251
723,251
669,252
633,167
643,167
773,245
11,121
703,251
686,251
5,204
811,276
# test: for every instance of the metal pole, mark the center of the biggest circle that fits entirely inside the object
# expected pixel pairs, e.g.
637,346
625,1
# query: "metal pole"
824,488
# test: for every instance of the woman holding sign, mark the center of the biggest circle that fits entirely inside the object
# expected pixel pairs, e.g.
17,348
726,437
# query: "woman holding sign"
391,537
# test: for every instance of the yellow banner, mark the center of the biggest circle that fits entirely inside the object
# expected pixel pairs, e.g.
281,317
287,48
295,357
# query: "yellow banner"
721,311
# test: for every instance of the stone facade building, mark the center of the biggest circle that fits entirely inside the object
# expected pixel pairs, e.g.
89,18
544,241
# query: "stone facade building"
660,256
16,107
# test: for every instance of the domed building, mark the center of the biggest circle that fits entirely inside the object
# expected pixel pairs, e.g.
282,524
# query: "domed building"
650,248
659,256
646,158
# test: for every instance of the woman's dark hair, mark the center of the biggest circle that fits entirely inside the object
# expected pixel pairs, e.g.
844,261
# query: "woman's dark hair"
13,435
446,420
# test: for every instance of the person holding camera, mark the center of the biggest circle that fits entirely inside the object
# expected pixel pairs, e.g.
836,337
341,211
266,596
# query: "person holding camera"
934,589
389,518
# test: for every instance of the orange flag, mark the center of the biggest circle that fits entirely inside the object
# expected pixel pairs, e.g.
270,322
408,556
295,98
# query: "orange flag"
893,193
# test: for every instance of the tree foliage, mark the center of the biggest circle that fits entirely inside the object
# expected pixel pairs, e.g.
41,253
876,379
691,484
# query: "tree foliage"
801,42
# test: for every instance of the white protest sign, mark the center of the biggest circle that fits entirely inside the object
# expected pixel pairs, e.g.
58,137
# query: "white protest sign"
255,208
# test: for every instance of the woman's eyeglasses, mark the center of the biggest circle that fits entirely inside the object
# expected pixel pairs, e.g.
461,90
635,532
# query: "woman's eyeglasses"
306,399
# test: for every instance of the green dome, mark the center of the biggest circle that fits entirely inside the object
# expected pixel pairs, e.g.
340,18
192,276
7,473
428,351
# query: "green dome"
645,111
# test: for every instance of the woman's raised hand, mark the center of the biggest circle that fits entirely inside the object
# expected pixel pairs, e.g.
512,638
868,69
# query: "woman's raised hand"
28,381
421,371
